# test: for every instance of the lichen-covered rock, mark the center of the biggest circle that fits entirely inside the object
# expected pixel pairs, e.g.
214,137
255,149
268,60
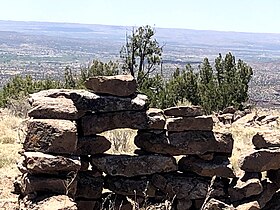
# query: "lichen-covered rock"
100,122
265,139
184,111
261,160
54,108
51,136
184,143
91,145
89,186
40,163
200,123
129,166
219,166
119,85
88,101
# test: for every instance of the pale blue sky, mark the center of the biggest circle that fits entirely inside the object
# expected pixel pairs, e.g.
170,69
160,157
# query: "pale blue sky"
225,15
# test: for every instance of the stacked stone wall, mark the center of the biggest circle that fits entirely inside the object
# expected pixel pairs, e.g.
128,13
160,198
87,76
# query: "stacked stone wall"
180,158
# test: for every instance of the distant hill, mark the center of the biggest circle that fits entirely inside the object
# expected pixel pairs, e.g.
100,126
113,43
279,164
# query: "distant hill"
45,49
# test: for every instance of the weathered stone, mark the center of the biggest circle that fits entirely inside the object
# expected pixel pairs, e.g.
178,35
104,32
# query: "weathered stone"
265,139
129,166
119,202
200,123
214,204
254,205
184,143
273,204
219,166
261,160
88,101
33,184
51,136
226,118
274,176
184,204
100,122
119,85
245,189
269,189
206,156
140,186
156,119
54,108
91,145
186,186
89,186
58,202
88,204
184,111
84,162
40,163
229,110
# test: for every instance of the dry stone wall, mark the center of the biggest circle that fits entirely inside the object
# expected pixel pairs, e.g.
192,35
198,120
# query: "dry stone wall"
178,156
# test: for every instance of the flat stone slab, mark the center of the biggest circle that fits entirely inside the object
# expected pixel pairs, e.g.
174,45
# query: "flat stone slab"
54,108
220,166
51,136
100,122
89,186
184,143
265,139
88,101
200,123
184,111
119,85
261,160
156,119
34,184
92,145
40,163
129,166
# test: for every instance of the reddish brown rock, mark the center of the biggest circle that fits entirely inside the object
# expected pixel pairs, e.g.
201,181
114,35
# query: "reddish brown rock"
200,123
184,111
40,163
219,166
184,143
119,85
88,101
51,136
33,184
156,119
254,205
214,204
269,190
245,189
265,139
98,123
129,166
89,186
91,145
54,108
261,160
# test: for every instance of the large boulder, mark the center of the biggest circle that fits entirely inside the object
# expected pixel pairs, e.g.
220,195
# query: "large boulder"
89,186
29,184
261,160
219,166
51,136
119,85
184,111
200,123
100,122
91,145
88,101
265,139
54,108
129,166
40,163
184,143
